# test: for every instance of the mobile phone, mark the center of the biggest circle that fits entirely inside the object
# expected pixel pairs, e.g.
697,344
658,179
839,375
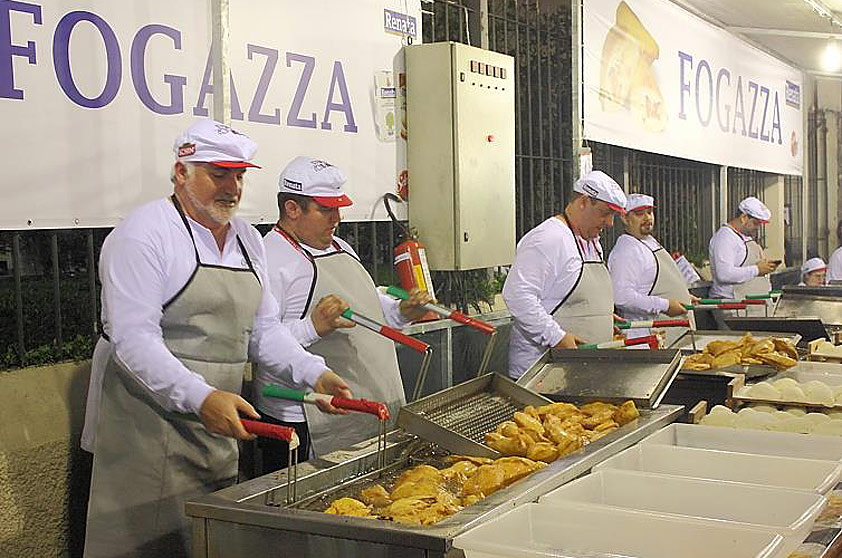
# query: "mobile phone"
777,262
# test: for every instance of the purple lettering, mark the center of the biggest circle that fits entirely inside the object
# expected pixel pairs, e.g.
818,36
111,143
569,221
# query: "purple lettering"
684,85
61,59
723,123
751,132
294,115
207,89
338,78
263,85
764,137
176,83
8,50
739,109
776,120
705,120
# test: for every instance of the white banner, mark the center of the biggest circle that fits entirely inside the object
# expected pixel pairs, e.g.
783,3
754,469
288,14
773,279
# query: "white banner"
659,79
93,93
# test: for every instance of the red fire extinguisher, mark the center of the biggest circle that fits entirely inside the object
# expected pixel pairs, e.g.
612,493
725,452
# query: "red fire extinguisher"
411,261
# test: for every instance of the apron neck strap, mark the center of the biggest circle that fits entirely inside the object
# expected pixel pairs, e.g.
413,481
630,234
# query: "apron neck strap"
297,245
181,214
579,240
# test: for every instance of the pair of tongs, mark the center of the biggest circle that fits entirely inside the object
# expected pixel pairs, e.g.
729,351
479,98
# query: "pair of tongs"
651,340
380,410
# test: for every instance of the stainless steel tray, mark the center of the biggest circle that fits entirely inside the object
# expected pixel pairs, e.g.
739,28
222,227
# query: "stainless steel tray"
822,302
703,337
458,418
808,327
604,375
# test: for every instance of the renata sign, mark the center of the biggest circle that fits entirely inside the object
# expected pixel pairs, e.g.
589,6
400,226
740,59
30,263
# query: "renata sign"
657,78
103,88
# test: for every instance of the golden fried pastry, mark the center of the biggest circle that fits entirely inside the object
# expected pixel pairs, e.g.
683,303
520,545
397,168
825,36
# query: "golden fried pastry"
560,410
626,413
508,428
486,480
407,510
471,500
779,361
597,407
376,496
508,446
764,346
595,420
725,359
475,460
532,412
609,425
461,470
349,507
528,422
418,473
515,468
542,451
786,347
424,488
750,360
716,348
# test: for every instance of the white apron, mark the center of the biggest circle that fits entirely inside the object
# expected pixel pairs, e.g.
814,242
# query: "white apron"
366,360
148,462
588,309
669,283
755,286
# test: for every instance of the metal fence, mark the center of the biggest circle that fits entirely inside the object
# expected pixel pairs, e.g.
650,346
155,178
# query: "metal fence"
793,220
685,193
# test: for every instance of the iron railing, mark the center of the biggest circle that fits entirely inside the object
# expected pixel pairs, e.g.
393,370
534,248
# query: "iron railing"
793,220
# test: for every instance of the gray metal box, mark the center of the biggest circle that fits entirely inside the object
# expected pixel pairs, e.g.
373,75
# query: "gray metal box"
461,154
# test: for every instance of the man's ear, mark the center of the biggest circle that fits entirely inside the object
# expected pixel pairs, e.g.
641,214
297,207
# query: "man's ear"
292,209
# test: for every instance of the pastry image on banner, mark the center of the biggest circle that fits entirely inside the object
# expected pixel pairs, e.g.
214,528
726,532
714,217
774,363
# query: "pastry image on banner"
627,79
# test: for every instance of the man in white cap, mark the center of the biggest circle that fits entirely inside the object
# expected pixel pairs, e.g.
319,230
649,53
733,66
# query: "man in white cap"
813,273
558,289
737,263
183,308
647,283
834,264
307,264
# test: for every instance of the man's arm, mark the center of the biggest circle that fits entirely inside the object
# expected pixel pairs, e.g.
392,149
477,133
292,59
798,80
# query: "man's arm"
632,271
527,282
724,252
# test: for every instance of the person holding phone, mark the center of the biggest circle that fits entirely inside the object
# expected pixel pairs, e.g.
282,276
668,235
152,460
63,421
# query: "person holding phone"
738,264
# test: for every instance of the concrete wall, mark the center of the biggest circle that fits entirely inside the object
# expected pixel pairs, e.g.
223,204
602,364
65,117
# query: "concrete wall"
44,474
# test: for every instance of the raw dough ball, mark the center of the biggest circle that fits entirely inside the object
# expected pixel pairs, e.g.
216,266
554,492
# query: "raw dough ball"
764,390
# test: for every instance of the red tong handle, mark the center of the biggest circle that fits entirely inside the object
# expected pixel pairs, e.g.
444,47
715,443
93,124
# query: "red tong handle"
380,410
472,322
266,430
404,339
671,323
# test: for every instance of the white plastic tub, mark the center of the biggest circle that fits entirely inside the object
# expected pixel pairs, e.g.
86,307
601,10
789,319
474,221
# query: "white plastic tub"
573,529
791,513
785,472
760,442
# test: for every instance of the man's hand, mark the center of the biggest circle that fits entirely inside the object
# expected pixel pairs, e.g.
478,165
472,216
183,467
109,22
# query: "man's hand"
220,413
327,315
330,383
765,267
676,308
569,341
413,308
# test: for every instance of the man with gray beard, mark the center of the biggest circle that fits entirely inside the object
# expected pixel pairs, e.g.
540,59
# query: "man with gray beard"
184,307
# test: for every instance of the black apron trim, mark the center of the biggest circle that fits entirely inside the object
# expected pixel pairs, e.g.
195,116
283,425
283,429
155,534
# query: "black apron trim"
657,265
199,263
745,243
581,269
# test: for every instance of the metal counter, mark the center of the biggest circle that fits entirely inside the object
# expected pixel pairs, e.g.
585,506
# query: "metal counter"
250,519
823,302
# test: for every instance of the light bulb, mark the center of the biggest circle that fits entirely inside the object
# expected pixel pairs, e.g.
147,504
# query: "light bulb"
831,57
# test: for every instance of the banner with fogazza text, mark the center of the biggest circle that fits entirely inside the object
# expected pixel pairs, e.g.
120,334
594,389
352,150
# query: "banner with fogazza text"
93,93
657,78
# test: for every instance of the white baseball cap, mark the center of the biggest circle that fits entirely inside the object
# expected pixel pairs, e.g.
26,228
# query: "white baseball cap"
207,141
813,264
318,179
756,209
600,186
639,201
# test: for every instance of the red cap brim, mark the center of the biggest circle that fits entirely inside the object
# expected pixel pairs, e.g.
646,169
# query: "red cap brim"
234,164
638,208
619,209
333,201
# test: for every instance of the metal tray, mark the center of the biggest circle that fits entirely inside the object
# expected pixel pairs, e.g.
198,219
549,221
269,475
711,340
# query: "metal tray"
808,328
822,302
458,418
604,375
703,337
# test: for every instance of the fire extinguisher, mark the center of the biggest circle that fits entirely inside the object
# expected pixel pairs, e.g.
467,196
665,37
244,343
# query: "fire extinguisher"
411,260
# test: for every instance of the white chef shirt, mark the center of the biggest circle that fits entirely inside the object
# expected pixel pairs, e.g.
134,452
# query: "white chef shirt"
145,261
633,272
546,268
290,278
834,266
727,251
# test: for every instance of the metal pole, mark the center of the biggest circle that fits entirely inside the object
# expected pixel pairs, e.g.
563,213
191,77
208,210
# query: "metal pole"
56,287
92,281
16,265
576,80
221,69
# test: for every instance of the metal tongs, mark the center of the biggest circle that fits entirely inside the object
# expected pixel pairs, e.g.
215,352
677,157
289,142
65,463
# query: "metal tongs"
379,410
456,316
402,338
677,322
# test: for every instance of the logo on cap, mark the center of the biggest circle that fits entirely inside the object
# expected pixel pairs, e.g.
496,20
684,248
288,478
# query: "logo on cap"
222,128
292,185
187,149
590,189
319,165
